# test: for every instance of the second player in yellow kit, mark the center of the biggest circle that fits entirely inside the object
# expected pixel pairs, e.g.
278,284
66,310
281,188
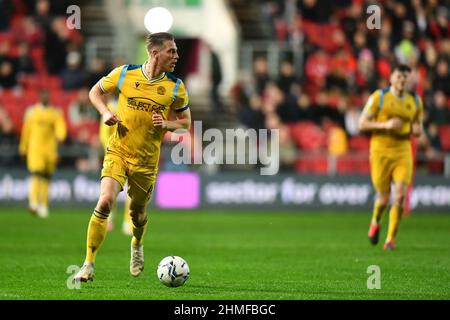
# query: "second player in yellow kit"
43,128
148,94
392,115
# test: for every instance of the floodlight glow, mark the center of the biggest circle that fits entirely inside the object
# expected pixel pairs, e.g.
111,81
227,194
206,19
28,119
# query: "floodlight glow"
158,19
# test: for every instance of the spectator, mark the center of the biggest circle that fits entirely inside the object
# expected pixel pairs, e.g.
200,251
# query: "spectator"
43,15
5,51
439,112
88,156
365,76
216,79
96,72
317,68
350,21
439,27
260,74
406,50
81,110
433,137
287,81
315,10
251,115
6,10
56,46
305,110
8,78
288,150
29,32
72,77
442,79
8,140
24,62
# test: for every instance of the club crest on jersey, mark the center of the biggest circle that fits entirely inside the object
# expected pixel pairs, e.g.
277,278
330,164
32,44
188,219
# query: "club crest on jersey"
161,90
408,106
137,84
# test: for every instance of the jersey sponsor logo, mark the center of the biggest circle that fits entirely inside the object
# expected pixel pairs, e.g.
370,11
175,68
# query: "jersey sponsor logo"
161,90
145,104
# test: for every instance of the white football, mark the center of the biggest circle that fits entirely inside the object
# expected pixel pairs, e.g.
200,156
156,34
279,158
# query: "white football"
173,271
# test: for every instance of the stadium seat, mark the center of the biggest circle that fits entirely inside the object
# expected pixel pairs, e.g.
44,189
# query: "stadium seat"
444,135
353,163
30,82
14,105
359,143
308,136
435,166
312,164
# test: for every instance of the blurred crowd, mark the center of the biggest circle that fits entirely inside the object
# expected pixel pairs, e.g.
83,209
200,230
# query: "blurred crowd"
317,108
39,51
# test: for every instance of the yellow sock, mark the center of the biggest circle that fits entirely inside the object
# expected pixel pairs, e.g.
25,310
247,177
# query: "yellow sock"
43,192
395,216
95,235
33,193
138,233
378,212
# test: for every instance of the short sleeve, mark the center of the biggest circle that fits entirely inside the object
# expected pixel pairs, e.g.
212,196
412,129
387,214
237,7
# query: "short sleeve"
181,97
373,104
109,83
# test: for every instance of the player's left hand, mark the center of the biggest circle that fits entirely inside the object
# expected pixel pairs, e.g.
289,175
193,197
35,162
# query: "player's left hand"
158,120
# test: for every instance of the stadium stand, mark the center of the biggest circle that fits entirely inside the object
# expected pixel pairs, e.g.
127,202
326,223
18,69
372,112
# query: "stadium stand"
344,62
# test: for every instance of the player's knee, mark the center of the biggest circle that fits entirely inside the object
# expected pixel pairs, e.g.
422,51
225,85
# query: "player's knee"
139,219
383,199
399,199
105,203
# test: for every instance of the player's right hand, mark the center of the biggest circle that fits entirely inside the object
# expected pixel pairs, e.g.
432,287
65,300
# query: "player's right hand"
110,118
394,123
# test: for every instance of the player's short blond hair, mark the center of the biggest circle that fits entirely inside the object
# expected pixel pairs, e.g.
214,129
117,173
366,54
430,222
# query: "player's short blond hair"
156,40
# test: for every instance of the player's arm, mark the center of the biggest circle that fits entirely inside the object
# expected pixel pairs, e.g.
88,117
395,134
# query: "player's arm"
367,123
98,99
182,122
182,111
367,120
99,92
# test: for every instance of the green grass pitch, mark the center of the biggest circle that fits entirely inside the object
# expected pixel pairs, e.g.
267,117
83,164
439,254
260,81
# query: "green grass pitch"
232,255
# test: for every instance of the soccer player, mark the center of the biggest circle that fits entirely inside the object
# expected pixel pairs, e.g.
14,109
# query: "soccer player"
147,95
105,133
43,128
392,115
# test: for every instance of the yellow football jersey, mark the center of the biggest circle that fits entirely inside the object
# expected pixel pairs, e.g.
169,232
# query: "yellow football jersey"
384,105
42,129
135,138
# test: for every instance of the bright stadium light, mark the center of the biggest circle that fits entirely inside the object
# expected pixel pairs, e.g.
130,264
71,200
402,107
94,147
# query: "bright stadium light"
158,19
